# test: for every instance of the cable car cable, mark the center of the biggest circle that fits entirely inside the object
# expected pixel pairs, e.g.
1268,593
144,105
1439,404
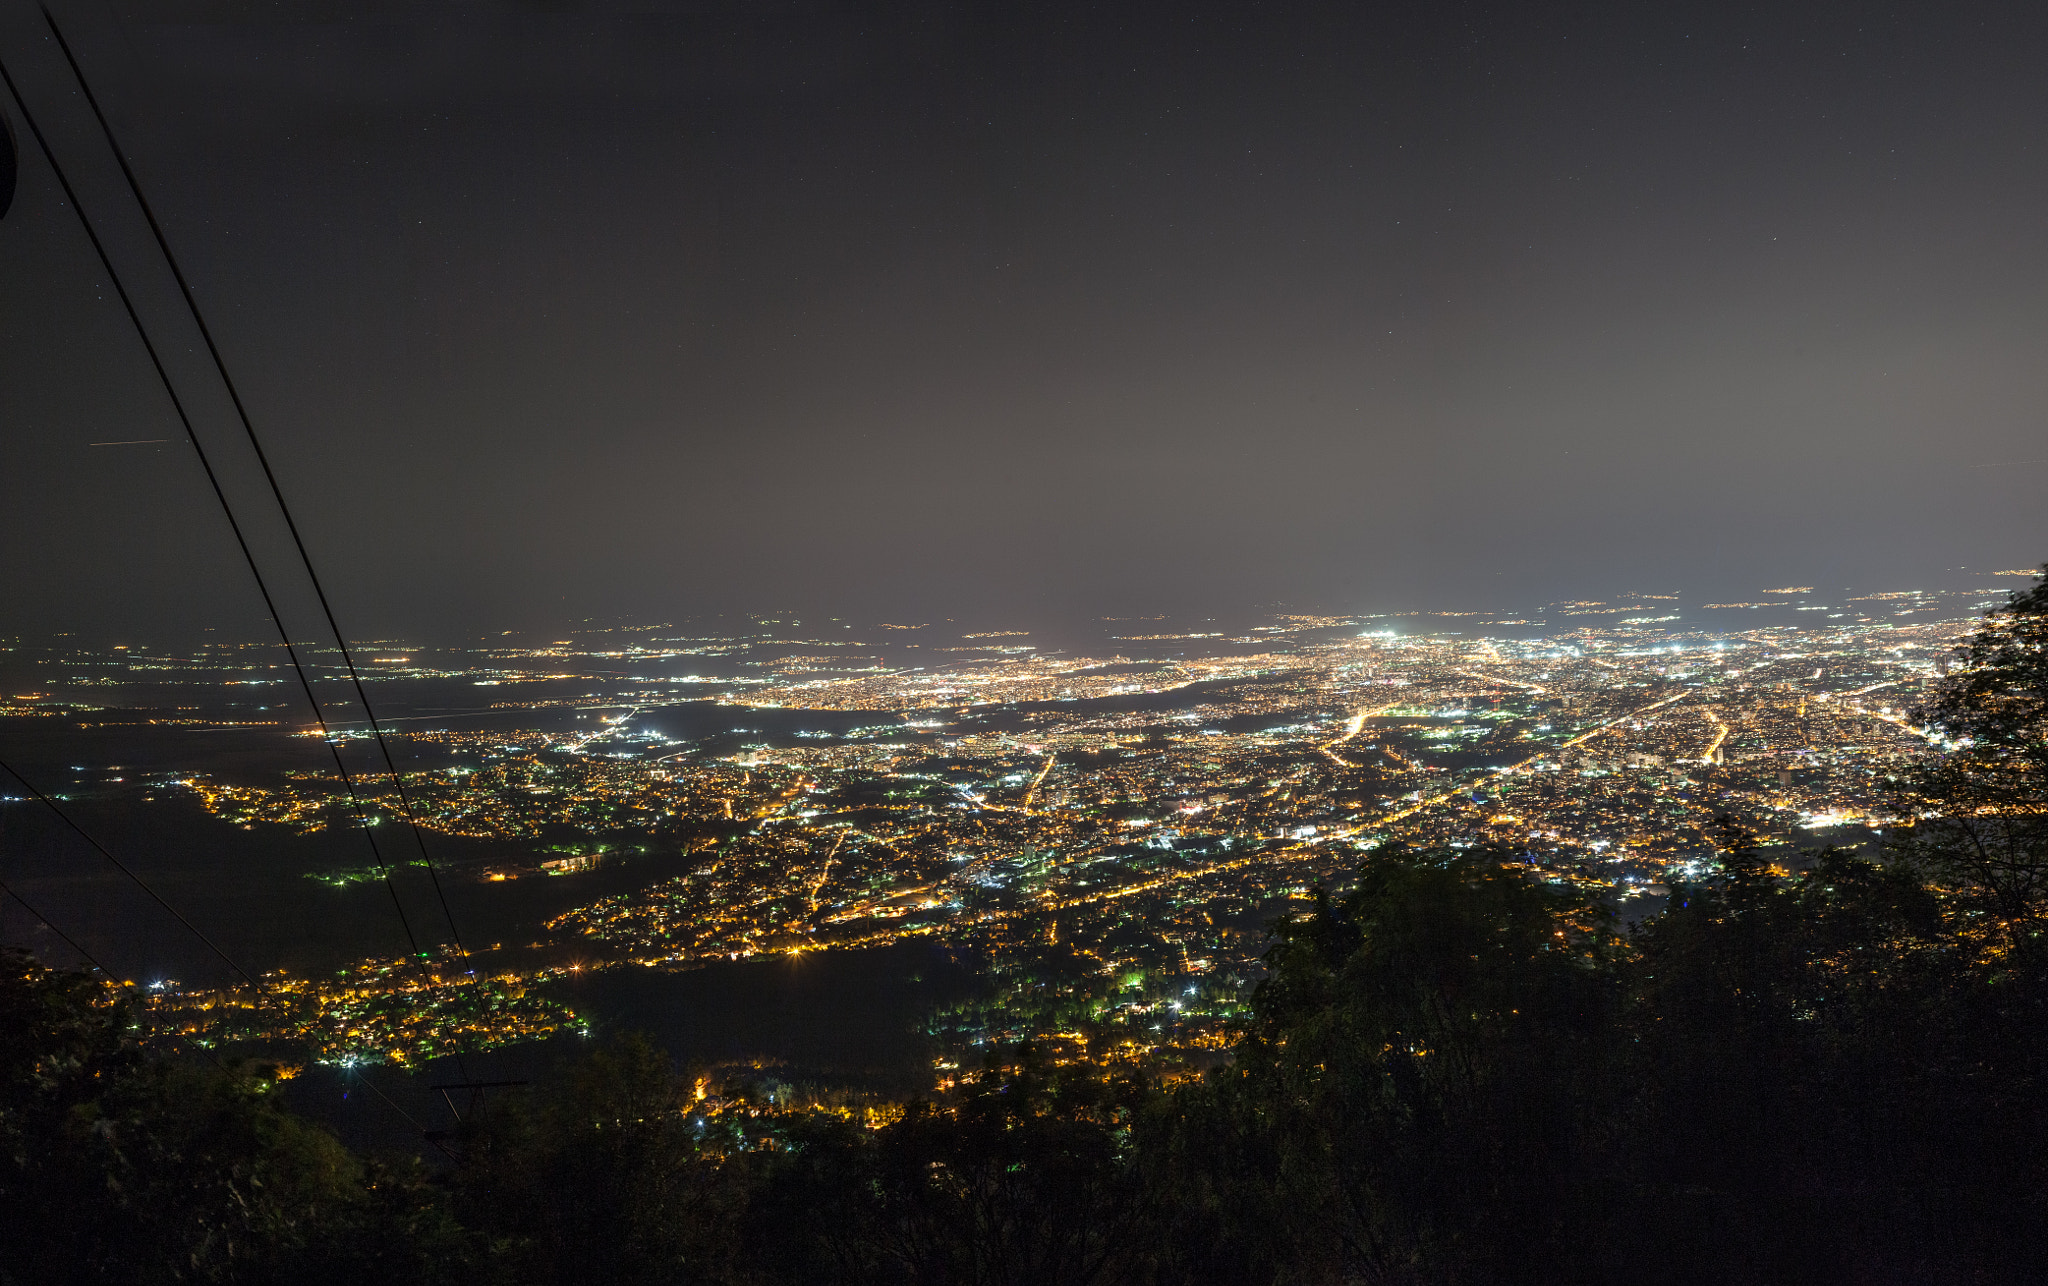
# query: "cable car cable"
51,925
255,570
270,476
227,509
129,871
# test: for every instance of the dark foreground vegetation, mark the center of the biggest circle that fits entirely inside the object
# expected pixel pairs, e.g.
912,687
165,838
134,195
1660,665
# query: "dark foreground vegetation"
1458,1072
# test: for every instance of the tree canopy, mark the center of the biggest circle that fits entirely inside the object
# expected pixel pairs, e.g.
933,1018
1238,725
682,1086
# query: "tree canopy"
1980,812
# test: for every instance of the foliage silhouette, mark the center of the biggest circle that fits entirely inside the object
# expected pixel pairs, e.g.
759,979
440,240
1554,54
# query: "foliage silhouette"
1981,811
117,1167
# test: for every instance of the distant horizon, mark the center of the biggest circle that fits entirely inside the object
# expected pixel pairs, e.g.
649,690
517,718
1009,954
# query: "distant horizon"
1954,581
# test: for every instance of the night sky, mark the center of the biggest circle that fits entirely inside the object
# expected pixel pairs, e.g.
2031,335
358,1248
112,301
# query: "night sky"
1025,313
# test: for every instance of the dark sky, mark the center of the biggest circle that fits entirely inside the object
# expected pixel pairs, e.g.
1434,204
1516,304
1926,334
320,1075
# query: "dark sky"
1030,312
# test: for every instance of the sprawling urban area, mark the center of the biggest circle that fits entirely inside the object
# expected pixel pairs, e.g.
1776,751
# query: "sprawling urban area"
1106,836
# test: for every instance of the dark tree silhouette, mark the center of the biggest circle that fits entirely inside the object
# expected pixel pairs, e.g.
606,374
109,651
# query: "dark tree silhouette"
119,1167
1981,812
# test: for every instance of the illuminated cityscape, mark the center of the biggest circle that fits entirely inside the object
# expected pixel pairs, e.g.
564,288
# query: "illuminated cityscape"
1106,836
979,645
